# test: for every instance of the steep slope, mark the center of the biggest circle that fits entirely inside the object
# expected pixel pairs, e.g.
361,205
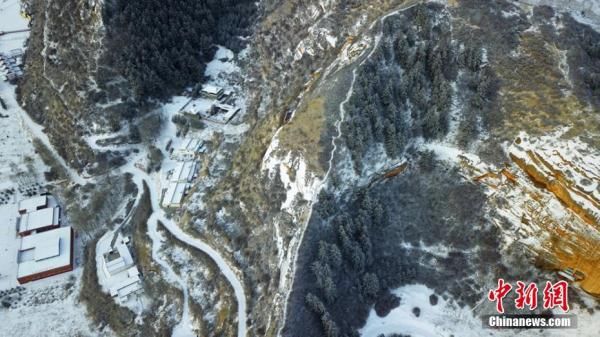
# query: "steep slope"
258,211
98,66
61,61
385,143
426,187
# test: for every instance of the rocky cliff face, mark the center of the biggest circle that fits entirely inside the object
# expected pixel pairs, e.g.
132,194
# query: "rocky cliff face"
506,162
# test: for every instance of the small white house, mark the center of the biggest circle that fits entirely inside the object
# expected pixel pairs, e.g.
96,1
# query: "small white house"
118,258
212,91
122,276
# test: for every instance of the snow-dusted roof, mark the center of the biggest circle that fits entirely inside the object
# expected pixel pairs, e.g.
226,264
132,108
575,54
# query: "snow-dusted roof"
115,265
184,171
45,251
39,219
227,112
119,276
227,107
127,285
189,148
32,204
200,106
174,194
192,144
211,89
118,259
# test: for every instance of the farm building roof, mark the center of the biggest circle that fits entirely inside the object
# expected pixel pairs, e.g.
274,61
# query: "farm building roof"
42,252
35,220
184,171
174,194
212,89
33,204
128,284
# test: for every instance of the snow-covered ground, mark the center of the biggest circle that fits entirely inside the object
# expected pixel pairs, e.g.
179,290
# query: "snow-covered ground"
221,67
17,158
9,246
169,134
223,71
50,308
16,149
446,318
585,11
21,170
184,329
443,319
10,19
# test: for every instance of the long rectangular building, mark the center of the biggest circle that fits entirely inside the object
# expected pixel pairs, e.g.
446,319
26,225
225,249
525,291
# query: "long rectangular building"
33,204
174,194
185,171
39,221
45,254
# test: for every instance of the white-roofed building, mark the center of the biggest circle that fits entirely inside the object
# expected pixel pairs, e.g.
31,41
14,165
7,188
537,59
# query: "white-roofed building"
199,107
193,145
212,91
45,254
189,149
122,276
129,283
223,113
118,259
174,194
33,204
185,171
39,221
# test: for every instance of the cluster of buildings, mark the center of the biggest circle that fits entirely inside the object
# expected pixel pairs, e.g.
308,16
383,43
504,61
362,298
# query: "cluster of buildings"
46,247
121,276
184,173
213,105
11,65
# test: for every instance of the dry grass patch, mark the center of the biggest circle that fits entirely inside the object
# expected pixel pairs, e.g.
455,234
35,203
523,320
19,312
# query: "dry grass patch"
303,133
536,96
